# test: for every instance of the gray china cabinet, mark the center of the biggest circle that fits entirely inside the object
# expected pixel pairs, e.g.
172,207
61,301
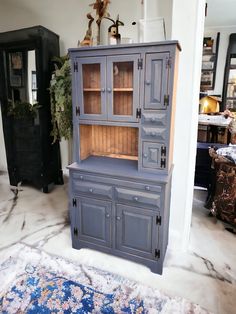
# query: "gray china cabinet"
120,181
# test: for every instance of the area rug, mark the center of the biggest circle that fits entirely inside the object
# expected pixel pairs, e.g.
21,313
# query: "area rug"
32,281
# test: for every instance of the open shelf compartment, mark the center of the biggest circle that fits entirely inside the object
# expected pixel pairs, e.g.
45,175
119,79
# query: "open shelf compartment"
108,141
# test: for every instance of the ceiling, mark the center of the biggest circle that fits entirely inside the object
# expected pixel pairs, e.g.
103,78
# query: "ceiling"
221,13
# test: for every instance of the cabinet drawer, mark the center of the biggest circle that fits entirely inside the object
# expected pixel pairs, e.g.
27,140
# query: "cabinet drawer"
155,119
99,190
154,133
138,197
80,177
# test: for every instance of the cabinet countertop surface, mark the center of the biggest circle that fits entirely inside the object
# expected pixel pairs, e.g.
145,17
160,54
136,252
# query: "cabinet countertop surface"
115,167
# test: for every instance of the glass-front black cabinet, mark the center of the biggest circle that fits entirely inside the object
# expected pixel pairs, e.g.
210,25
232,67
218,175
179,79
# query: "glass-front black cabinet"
229,91
26,67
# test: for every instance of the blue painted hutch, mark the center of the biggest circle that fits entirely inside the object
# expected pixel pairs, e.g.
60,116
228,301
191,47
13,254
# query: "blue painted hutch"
123,120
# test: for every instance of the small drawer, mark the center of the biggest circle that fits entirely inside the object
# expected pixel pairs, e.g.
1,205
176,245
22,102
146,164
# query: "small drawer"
138,197
154,133
157,119
93,189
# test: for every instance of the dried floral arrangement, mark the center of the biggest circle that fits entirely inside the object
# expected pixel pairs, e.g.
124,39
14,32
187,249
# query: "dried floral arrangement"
100,7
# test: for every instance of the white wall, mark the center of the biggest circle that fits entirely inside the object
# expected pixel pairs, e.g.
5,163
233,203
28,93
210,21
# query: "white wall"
222,52
68,20
187,27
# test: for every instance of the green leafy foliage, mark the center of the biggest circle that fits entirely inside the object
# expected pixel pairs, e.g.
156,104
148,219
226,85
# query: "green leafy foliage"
61,99
21,110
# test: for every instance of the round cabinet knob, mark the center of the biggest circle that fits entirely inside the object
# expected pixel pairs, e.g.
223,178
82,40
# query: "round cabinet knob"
145,155
102,90
147,188
153,133
107,215
109,90
117,217
81,177
135,198
148,82
91,190
153,119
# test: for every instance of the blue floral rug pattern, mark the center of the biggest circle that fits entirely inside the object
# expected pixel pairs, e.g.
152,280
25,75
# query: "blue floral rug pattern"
32,281
44,292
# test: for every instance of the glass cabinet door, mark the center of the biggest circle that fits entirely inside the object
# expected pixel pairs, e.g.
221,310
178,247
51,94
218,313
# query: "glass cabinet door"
122,87
91,81
231,86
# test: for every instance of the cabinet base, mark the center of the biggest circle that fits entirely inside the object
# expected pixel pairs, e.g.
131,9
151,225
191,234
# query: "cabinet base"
154,265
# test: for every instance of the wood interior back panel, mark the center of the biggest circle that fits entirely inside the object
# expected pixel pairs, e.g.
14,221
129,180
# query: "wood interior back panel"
123,103
120,142
85,141
91,75
92,102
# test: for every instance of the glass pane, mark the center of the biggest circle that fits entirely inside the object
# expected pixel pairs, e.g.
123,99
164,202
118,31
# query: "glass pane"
231,104
123,88
92,88
231,89
23,77
233,61
207,79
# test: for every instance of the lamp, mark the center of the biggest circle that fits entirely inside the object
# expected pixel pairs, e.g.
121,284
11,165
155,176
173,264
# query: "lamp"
209,104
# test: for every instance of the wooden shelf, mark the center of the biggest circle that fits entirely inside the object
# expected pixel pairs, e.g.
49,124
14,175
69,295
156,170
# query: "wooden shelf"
92,89
208,70
123,89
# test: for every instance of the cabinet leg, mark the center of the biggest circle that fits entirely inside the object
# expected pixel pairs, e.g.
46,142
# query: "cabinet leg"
45,189
59,179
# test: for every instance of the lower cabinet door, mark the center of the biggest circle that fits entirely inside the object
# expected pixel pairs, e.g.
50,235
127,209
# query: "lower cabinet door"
136,231
94,221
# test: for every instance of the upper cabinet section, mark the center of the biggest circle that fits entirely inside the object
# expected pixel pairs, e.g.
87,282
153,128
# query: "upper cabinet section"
119,83
110,87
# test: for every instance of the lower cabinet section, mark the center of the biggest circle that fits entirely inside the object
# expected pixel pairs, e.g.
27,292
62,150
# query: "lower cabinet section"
128,219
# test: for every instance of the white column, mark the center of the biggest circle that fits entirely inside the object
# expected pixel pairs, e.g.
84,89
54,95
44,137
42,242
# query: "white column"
187,28
151,9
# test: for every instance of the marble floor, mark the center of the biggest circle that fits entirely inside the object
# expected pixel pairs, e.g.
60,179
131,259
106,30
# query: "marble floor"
205,274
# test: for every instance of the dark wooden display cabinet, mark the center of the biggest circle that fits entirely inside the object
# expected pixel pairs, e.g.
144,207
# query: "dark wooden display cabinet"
229,90
209,63
26,67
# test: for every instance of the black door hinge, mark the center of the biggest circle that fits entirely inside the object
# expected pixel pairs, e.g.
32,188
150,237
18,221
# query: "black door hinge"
75,231
168,63
75,66
158,220
138,113
163,151
77,111
163,162
74,202
157,253
140,64
166,100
